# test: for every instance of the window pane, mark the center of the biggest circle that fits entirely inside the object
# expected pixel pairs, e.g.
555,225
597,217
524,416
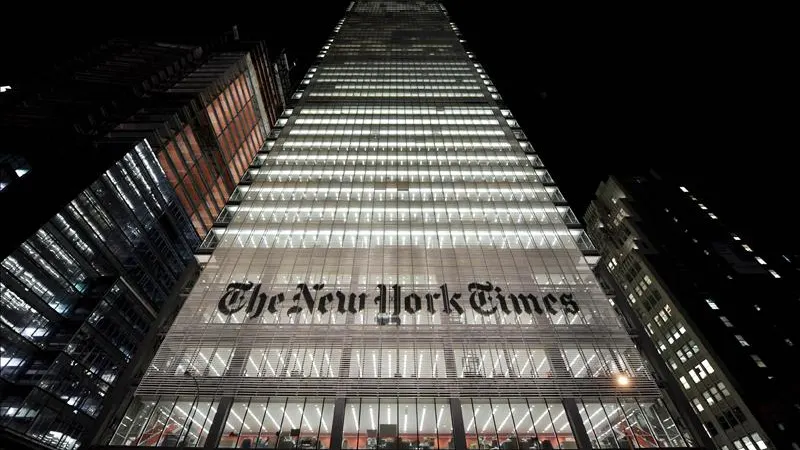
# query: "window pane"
293,425
201,415
505,426
522,422
597,426
253,419
350,430
326,422
311,418
444,424
639,430
233,425
468,415
174,432
387,423
559,428
368,424
408,421
271,431
130,429
151,435
484,422
662,424
619,425
426,423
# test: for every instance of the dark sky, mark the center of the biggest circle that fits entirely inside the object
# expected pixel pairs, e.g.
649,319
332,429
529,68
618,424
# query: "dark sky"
706,95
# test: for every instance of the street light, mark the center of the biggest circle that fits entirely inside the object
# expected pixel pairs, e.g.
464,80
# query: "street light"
189,373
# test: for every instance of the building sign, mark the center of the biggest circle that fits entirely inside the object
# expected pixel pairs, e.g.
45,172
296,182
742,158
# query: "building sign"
484,299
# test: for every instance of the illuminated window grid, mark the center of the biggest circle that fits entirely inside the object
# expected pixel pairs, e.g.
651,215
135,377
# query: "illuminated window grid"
322,213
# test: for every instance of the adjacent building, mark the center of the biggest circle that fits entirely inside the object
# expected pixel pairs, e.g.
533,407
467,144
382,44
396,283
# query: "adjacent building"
720,312
397,269
113,170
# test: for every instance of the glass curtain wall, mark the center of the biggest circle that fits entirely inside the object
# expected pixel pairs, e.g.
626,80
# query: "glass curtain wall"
397,269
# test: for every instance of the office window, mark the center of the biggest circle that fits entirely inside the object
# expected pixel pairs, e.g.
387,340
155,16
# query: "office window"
748,444
741,340
706,365
712,304
671,362
758,441
758,361
726,321
685,383
697,405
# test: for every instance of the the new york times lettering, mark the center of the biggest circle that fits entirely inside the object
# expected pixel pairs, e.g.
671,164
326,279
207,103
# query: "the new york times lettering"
484,298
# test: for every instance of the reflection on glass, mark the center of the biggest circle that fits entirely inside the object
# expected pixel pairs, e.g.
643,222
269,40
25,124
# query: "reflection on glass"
398,423
169,422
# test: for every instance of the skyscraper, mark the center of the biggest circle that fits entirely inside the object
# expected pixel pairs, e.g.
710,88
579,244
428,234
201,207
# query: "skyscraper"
397,270
704,298
115,170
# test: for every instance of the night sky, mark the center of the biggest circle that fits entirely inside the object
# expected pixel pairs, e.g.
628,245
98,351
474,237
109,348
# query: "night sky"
697,93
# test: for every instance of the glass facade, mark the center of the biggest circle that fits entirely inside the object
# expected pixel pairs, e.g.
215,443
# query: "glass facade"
397,269
207,157
79,295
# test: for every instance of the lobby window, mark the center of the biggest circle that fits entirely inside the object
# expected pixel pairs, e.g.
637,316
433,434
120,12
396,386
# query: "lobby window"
726,321
187,423
603,418
741,340
758,361
502,421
